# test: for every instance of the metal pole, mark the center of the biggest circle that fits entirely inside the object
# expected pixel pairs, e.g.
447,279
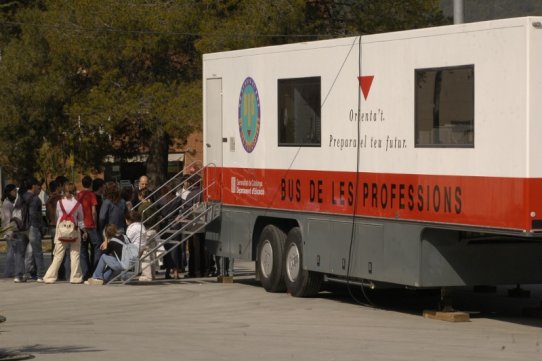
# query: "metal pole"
458,11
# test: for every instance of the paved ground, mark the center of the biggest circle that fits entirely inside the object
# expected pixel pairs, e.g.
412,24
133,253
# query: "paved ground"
203,320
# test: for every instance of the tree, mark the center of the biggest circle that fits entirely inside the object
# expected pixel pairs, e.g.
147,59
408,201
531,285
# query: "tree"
82,79
354,17
27,100
236,24
111,73
132,63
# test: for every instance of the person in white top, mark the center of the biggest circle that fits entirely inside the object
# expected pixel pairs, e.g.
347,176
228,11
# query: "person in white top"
68,202
8,199
137,233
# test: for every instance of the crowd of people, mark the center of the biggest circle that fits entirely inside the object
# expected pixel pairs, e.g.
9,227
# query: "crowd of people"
105,218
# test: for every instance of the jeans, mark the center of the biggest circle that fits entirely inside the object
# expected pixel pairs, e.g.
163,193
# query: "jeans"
90,261
107,267
29,264
32,237
9,271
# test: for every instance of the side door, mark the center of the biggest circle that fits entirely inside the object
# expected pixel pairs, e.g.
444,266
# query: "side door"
213,138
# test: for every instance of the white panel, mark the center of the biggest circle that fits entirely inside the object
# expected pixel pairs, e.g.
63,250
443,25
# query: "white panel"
213,121
498,50
498,56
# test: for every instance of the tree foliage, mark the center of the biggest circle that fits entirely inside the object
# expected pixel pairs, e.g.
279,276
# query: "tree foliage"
82,79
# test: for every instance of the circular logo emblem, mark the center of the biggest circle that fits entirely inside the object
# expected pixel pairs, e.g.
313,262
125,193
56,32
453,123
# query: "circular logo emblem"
249,114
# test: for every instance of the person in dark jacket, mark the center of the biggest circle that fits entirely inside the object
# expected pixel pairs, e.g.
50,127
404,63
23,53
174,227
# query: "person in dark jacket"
28,194
113,209
199,260
169,205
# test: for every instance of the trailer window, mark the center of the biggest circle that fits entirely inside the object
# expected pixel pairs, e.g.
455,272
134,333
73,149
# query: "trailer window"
445,107
299,112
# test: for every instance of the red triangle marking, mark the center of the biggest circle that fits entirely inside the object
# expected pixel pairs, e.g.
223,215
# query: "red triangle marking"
365,83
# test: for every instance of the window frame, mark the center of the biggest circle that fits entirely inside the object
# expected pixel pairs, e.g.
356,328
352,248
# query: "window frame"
416,123
279,113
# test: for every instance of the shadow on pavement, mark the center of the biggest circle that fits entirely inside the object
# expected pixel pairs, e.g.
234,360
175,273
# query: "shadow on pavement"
27,352
42,349
497,305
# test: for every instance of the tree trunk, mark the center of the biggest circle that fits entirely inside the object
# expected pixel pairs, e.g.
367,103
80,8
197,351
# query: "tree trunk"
158,158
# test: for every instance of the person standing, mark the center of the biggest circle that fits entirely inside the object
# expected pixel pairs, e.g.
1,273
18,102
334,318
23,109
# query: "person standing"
141,185
9,195
29,199
98,186
127,193
198,261
50,207
43,194
55,194
169,205
61,181
88,201
68,203
64,271
149,213
113,209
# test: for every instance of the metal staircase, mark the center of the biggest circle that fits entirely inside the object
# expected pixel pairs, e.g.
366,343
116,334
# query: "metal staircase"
174,219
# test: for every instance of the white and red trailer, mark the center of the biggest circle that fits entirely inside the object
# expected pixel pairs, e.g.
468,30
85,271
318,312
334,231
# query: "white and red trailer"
409,158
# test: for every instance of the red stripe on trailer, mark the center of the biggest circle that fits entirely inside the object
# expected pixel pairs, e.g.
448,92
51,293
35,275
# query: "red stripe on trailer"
495,202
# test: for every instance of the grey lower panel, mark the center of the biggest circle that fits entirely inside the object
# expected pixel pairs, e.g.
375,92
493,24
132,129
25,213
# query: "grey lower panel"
231,234
377,251
445,258
405,253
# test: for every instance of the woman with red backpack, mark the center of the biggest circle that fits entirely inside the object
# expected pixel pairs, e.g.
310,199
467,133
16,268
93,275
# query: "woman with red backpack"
67,236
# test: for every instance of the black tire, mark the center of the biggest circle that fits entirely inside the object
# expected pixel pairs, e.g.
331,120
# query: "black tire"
299,282
269,259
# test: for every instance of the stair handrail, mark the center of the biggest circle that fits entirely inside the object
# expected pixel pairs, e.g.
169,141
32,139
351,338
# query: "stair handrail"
156,213
184,215
179,174
187,223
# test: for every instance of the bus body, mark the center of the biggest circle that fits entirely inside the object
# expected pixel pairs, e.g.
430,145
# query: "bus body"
409,158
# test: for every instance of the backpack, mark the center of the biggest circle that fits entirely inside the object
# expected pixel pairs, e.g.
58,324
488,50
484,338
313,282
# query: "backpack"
67,227
130,253
20,217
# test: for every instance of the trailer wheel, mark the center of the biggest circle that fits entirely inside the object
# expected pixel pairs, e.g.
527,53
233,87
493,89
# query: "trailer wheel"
299,282
269,259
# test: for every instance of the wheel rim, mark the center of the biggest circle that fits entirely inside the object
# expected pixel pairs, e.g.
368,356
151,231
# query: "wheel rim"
266,259
292,263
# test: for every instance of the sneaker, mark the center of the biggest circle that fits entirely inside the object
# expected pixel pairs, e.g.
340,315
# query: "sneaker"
94,282
39,280
19,279
145,279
